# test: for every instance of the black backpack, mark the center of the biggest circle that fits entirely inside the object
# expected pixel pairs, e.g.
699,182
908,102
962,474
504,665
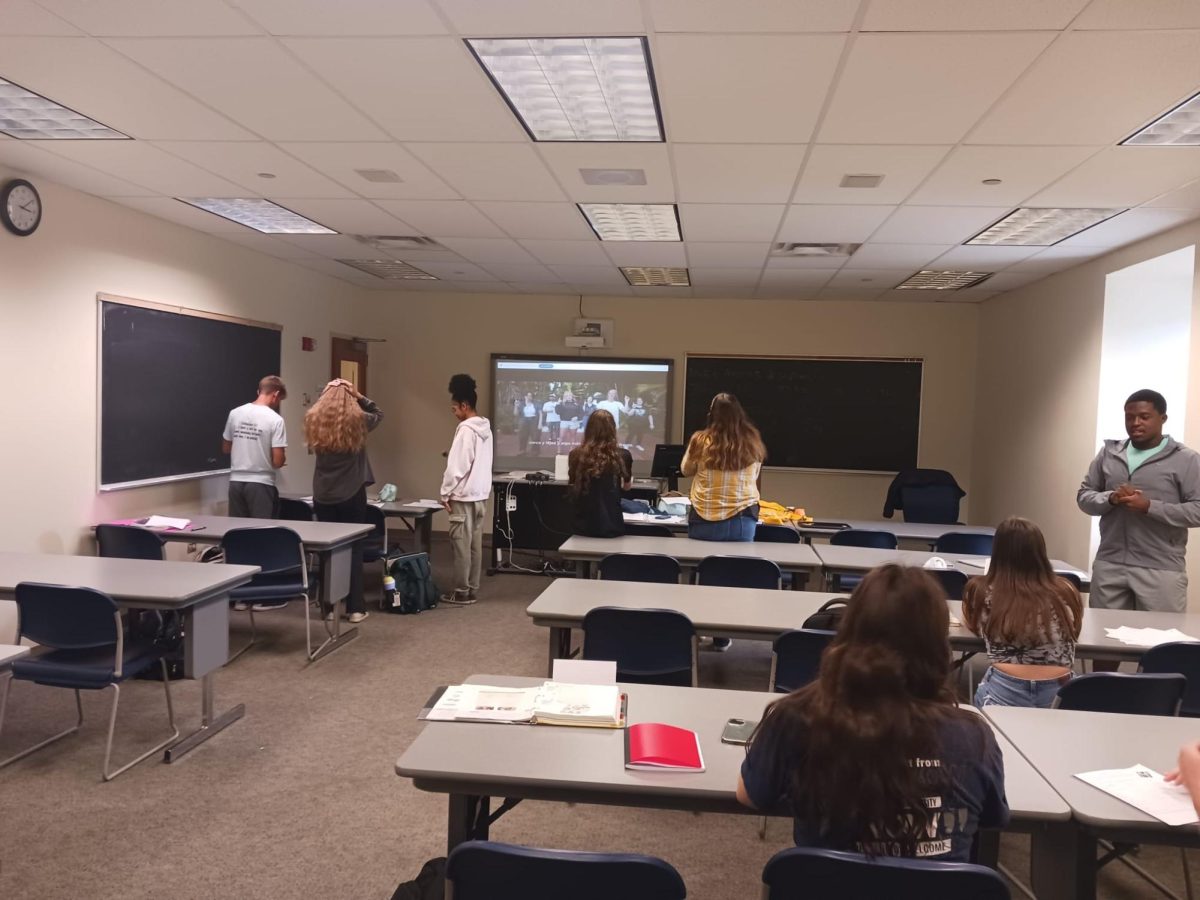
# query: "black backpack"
430,883
415,589
829,616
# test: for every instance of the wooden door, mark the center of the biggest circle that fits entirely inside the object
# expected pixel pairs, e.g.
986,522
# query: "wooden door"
349,361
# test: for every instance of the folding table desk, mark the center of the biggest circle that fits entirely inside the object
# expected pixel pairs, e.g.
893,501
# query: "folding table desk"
417,519
839,560
921,535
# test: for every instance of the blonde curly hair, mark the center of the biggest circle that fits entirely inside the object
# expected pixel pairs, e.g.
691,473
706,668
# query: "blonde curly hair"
335,423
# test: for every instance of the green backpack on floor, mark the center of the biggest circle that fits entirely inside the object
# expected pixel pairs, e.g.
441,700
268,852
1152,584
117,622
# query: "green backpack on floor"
415,589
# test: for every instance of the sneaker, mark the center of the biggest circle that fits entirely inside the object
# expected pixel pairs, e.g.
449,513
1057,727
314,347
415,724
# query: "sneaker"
329,615
457,599
356,617
268,607
240,606
720,645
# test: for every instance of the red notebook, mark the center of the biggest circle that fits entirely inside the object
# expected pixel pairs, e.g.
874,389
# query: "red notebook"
652,745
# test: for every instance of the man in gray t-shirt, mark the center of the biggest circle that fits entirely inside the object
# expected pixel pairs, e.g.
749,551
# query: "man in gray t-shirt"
256,440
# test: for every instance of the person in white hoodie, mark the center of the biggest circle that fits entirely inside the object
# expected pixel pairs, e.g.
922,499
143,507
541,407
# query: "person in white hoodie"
466,487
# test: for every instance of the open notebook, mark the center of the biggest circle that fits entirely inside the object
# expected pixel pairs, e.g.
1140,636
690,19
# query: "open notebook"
551,703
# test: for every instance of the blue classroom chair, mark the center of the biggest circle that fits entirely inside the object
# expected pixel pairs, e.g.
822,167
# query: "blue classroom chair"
128,542
964,542
1183,658
953,582
776,534
811,874
796,658
860,537
739,571
655,568
935,504
650,646
279,553
1117,692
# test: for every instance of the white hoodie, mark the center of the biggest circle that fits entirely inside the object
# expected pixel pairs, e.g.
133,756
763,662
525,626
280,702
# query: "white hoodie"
469,464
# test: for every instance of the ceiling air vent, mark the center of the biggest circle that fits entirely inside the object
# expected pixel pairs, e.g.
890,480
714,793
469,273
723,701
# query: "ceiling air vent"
379,176
929,280
861,181
399,242
613,176
389,269
814,249
655,276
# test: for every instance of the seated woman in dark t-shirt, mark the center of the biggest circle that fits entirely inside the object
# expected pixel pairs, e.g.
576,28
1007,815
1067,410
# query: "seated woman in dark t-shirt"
875,756
598,469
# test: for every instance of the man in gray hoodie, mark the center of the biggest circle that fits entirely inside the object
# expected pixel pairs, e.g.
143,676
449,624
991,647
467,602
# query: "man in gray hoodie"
1146,491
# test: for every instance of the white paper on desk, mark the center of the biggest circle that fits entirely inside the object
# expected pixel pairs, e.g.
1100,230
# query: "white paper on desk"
483,703
1146,790
561,468
585,671
1147,637
425,504
936,562
167,522
984,563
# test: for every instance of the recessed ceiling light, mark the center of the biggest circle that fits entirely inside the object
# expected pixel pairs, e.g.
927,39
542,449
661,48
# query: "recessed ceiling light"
389,269
613,176
1033,227
32,117
656,276
1180,127
633,221
813,249
575,89
261,215
930,280
861,181
992,181
379,176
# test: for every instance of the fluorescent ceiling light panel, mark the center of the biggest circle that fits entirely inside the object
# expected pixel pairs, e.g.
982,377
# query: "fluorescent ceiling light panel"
633,221
31,117
389,269
261,215
930,280
575,89
1032,227
813,250
656,276
1178,128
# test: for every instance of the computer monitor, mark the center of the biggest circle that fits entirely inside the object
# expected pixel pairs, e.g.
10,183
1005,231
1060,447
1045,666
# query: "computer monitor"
667,460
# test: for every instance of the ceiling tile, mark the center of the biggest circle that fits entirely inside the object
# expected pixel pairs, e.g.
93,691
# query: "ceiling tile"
606,289
566,159
720,292
1186,197
1055,259
983,258
352,216
938,85
443,218
869,279
568,253
778,263
1129,227
1008,281
346,17
832,224
419,89
544,17
937,224
769,16
744,280
524,274
1134,14
538,287
971,15
903,167
895,256
730,221
843,295
148,166
331,246
265,243
490,250
1123,176
1095,88
593,275
25,17
255,82
736,173
726,255
786,279
646,253
1023,172
662,292
182,214
30,160
115,91
338,270
482,171
111,18
712,86
538,220
242,161
457,271
340,160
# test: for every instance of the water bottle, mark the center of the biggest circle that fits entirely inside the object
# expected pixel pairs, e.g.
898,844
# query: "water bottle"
390,600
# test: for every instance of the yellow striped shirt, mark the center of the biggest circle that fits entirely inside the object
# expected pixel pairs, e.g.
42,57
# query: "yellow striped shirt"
718,494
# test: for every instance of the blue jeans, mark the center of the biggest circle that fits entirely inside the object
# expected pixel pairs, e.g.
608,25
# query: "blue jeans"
739,528
1001,689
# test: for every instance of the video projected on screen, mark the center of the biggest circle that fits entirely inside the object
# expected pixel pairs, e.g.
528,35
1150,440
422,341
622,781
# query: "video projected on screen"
540,406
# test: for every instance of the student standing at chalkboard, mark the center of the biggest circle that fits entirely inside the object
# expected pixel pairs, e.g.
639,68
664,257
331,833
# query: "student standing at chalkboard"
335,428
256,440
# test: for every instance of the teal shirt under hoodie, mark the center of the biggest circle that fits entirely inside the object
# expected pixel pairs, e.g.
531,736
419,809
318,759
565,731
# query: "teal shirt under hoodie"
1170,480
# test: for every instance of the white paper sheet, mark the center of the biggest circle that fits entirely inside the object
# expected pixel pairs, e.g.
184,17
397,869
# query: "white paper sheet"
425,504
167,522
1147,637
1146,790
984,563
585,671
478,702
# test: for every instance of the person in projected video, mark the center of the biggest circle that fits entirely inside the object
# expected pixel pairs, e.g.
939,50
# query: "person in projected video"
614,407
569,415
639,419
526,412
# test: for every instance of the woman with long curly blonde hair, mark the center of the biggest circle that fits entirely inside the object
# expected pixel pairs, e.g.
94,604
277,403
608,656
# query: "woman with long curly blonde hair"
335,428
598,469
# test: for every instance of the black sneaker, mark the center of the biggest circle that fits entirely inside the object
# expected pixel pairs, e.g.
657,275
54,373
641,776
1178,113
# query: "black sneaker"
457,599
720,645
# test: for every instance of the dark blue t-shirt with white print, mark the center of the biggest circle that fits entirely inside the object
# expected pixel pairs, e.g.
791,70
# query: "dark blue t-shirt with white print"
968,760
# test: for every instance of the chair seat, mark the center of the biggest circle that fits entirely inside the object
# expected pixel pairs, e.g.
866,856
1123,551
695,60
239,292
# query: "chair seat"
275,586
90,669
373,553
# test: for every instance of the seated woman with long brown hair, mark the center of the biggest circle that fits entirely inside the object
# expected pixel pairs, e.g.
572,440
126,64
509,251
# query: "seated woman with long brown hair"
598,469
875,756
724,461
1028,617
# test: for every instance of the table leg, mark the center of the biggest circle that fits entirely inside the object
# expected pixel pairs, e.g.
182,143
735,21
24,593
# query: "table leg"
560,647
1062,863
335,585
210,723
425,532
465,810
800,580
205,649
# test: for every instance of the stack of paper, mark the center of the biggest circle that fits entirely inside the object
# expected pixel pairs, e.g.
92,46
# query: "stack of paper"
426,504
1147,637
578,704
168,523
1146,790
551,703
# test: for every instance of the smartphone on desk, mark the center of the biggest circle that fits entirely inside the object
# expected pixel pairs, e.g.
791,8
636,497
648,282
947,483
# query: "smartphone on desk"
738,731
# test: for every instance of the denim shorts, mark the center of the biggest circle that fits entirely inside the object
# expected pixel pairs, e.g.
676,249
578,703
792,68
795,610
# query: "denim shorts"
1001,689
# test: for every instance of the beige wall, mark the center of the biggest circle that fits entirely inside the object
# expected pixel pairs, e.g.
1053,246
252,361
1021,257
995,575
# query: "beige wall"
432,336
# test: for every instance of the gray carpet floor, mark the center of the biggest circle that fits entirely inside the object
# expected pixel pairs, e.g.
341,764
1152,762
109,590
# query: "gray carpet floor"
300,800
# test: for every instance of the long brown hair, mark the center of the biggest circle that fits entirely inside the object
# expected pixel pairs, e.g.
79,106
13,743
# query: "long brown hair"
1021,589
851,739
599,455
730,441
335,423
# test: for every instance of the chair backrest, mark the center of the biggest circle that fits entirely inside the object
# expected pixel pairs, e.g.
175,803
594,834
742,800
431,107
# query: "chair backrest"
834,875
953,582
648,529
739,571
863,537
797,658
1117,692
650,646
66,618
481,870
1073,578
776,534
274,549
128,542
657,568
964,542
1179,657
932,503
376,518
294,510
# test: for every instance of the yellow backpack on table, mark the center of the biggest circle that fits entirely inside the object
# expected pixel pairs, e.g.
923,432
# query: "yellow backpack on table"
772,513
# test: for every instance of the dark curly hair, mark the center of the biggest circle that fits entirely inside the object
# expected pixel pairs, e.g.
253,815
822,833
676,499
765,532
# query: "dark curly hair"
462,390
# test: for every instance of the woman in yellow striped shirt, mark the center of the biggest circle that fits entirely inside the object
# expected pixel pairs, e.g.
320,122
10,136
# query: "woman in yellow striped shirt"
724,461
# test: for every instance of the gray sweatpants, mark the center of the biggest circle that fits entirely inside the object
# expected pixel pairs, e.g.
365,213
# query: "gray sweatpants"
1115,586
466,540
251,500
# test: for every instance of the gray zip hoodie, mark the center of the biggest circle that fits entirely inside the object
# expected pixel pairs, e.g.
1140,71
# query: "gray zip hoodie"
1156,539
